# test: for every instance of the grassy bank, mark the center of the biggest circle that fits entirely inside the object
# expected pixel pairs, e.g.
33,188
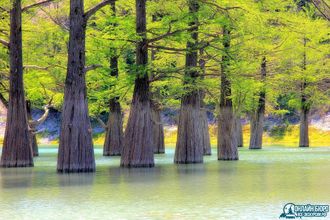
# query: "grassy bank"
289,137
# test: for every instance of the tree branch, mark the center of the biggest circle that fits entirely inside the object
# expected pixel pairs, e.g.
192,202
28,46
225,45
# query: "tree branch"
323,8
169,33
57,21
168,48
92,67
4,9
97,7
35,67
103,125
4,43
36,5
43,118
3,100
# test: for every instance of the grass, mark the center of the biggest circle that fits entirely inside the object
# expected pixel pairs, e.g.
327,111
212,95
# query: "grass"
289,138
318,138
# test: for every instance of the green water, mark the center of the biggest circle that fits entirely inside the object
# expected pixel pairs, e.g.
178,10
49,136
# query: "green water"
256,187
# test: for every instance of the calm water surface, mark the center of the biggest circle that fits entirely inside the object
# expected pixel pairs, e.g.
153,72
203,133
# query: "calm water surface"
256,187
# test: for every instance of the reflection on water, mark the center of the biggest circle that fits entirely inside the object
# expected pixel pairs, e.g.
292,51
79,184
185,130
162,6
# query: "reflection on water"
256,187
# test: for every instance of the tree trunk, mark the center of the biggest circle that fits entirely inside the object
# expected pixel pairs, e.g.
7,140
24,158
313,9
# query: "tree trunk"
239,131
205,132
33,138
114,132
157,125
16,151
204,120
76,153
257,118
137,149
303,135
227,145
305,107
189,146
114,136
157,129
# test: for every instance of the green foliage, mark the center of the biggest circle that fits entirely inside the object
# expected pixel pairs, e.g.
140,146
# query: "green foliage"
272,29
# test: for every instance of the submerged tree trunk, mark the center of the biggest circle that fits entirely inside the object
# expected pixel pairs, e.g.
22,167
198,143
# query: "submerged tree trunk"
157,129
157,125
304,136
257,118
238,131
204,120
189,146
137,149
32,134
114,135
16,151
114,130
227,146
76,153
305,107
205,133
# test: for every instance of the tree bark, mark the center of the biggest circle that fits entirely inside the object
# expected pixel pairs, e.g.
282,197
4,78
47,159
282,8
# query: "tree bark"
76,153
239,131
303,135
189,147
114,136
257,118
305,106
32,135
204,120
16,151
205,133
137,149
157,125
114,133
157,129
227,145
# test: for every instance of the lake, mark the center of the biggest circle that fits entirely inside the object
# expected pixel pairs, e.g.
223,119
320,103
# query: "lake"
255,187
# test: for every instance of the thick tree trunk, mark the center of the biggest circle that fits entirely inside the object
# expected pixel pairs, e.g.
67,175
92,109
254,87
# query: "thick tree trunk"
137,149
114,136
189,146
33,138
157,129
16,151
76,153
257,118
239,131
227,145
